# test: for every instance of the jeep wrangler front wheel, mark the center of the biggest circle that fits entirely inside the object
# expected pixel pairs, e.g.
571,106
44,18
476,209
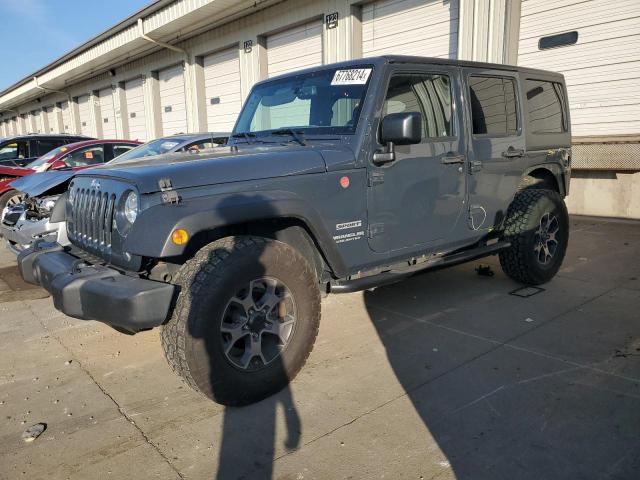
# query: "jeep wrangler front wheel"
537,225
245,320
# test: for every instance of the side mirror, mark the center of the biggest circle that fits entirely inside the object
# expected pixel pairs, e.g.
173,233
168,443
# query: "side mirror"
401,128
398,129
58,165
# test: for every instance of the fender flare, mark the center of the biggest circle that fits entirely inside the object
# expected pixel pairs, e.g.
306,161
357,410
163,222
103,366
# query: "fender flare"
555,169
150,235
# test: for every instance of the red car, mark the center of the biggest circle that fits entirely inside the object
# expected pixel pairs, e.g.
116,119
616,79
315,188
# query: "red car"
74,156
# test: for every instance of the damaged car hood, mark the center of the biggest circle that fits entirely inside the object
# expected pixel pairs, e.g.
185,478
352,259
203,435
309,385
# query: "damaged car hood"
41,183
218,165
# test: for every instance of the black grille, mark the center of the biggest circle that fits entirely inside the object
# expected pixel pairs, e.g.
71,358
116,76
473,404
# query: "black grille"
91,222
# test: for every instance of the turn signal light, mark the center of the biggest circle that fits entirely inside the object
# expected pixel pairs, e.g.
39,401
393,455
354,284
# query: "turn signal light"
179,236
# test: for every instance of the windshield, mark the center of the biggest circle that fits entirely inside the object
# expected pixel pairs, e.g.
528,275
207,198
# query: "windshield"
38,162
155,147
321,102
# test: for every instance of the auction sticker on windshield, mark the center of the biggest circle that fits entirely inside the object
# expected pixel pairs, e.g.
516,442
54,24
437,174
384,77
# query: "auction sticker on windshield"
353,76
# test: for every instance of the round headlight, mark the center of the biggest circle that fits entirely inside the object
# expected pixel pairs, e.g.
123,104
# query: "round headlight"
131,207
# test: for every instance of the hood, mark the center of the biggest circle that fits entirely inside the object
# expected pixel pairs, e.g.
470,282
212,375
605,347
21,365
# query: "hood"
217,165
36,185
6,171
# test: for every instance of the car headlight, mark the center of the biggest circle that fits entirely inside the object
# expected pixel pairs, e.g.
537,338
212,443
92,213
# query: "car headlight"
131,207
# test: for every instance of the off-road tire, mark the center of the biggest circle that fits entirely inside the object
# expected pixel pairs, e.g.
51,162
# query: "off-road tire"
6,196
191,338
520,261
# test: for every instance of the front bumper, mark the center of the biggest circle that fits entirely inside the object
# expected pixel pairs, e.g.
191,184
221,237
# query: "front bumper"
95,292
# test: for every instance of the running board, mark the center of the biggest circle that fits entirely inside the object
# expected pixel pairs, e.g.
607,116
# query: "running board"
391,276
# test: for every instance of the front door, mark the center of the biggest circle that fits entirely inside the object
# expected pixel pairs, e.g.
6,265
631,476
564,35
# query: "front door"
496,156
418,198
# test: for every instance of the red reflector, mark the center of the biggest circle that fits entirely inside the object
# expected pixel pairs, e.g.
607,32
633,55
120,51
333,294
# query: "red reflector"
344,182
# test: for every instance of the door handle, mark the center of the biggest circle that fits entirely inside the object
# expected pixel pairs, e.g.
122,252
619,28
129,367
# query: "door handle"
513,153
450,159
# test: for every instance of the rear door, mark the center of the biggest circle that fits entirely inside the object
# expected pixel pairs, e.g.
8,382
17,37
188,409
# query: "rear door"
497,145
418,199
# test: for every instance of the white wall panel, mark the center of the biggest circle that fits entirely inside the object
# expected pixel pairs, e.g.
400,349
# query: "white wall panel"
107,113
294,49
84,114
134,99
50,119
602,69
222,89
35,122
427,28
172,100
65,110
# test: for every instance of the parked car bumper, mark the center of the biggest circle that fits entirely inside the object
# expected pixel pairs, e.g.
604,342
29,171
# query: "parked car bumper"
95,292
21,235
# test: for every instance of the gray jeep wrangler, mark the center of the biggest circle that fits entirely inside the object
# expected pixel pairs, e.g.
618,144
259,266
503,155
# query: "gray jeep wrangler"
336,179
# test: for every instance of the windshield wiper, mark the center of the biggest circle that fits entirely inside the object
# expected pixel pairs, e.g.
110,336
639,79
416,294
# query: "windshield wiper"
248,136
297,135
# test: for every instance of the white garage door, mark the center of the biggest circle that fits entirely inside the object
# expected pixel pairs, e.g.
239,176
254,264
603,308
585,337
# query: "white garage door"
134,94
427,28
172,100
222,89
36,125
294,49
49,119
65,111
84,115
602,69
14,126
107,113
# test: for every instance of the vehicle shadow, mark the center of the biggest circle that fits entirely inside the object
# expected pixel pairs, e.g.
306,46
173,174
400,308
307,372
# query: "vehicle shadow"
247,445
510,387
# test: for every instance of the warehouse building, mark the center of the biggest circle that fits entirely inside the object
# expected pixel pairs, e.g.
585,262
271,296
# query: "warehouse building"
187,65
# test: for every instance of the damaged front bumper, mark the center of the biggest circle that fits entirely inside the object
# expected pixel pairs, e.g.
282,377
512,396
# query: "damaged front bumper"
96,292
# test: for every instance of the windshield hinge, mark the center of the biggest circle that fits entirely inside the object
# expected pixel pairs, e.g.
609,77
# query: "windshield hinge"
169,195
376,178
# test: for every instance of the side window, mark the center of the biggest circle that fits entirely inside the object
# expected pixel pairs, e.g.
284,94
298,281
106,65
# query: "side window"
493,106
45,146
545,101
119,149
85,156
429,95
9,151
197,146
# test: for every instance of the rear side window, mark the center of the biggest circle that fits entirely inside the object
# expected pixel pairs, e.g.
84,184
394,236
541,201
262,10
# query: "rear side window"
545,103
119,149
493,106
45,146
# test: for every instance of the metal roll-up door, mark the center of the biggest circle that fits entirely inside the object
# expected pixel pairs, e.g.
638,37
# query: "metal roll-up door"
596,45
107,113
65,111
36,122
50,119
84,114
14,126
134,95
425,28
294,49
222,89
173,109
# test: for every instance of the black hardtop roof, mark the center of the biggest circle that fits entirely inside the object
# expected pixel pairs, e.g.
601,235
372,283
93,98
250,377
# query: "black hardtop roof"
408,59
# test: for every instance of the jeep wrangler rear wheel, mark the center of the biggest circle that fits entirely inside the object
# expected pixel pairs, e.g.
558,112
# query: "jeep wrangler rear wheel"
537,225
245,320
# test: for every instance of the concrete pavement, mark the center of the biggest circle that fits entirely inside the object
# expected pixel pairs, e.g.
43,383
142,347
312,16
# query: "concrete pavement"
444,376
